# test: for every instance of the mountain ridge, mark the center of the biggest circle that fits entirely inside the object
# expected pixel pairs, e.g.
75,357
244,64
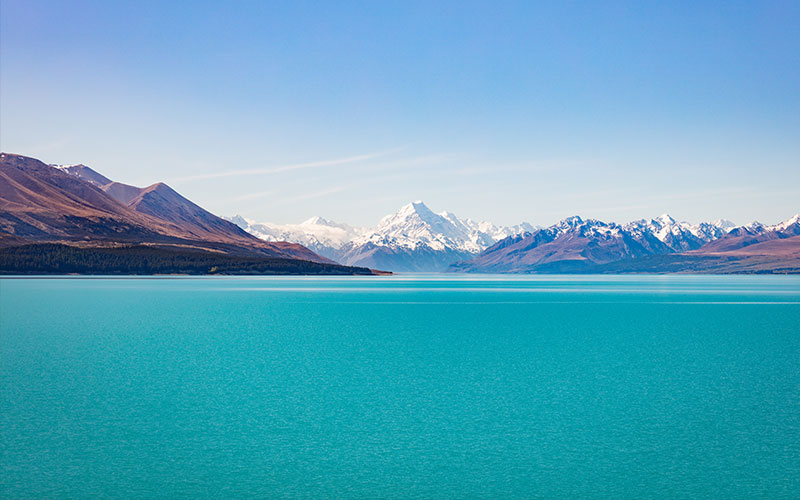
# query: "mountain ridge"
76,205
415,238
577,245
43,203
412,239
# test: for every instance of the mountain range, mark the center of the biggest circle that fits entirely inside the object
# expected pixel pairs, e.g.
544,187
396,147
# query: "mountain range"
77,206
61,208
658,245
417,239
413,239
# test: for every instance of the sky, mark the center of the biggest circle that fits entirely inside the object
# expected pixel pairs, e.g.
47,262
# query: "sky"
500,111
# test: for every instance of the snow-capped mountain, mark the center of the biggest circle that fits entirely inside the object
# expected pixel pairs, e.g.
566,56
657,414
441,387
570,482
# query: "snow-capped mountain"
787,225
724,224
753,234
577,245
413,239
572,240
318,234
678,236
415,224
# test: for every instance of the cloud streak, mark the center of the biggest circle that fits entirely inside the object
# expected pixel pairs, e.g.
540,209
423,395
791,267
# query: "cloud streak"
407,165
318,194
252,196
284,168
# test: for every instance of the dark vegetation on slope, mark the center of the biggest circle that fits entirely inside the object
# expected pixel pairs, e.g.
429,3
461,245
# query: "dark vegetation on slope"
50,258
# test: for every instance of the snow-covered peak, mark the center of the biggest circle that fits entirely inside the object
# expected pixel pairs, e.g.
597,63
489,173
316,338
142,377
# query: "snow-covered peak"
413,225
567,224
320,221
576,226
415,206
571,221
791,221
792,224
787,224
724,224
415,209
755,227
665,219
679,236
416,230
241,221
318,234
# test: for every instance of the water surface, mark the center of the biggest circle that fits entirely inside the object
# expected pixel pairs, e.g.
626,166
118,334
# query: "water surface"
668,387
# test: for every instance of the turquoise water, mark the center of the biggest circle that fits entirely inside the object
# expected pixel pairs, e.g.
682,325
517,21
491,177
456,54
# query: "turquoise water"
662,387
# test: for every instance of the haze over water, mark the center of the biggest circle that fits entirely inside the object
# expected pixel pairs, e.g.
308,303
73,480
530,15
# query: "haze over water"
590,387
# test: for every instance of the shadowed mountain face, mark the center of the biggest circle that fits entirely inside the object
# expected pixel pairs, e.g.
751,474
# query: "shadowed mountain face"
163,202
123,193
39,202
573,241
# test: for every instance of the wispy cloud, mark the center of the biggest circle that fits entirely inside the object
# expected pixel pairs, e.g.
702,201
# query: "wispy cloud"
402,170
318,194
252,196
284,168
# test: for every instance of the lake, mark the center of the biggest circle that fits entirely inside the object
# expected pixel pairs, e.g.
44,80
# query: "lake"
428,386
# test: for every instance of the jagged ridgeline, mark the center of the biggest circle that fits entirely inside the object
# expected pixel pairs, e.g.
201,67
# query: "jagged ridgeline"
414,239
418,239
661,245
76,206
122,228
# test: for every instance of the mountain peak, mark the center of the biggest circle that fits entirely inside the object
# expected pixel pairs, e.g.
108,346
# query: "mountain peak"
415,207
571,221
159,187
317,221
724,224
85,173
665,219
240,221
791,221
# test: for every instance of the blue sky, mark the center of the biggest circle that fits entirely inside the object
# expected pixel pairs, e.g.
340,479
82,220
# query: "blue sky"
503,111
